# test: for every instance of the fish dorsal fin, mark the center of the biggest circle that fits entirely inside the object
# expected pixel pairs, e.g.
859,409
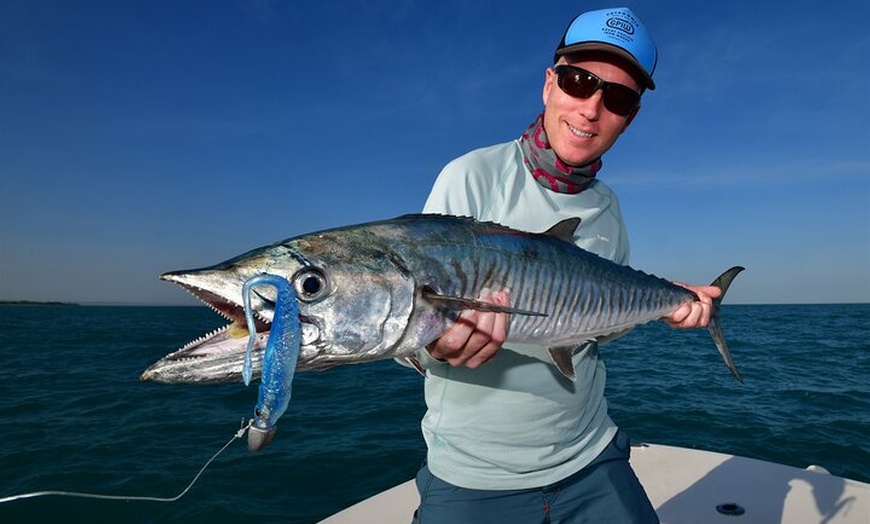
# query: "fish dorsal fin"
467,303
564,229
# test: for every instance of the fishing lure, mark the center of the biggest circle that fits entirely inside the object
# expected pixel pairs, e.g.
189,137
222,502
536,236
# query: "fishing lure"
279,358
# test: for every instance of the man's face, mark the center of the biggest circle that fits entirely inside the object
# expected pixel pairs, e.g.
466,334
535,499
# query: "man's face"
582,129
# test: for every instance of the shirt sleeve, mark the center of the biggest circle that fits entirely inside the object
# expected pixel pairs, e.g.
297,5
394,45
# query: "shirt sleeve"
454,191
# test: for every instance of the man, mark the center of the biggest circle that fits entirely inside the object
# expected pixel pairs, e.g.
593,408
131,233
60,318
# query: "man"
510,441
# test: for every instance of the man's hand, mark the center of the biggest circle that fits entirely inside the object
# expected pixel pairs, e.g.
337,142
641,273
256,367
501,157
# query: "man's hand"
695,314
476,336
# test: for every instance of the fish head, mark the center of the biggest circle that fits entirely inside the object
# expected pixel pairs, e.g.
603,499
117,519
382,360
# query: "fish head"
355,301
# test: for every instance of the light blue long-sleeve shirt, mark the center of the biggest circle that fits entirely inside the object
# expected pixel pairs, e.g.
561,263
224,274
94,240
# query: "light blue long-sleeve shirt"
514,422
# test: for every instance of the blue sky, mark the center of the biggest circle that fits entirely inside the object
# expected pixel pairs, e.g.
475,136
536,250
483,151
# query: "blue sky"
142,137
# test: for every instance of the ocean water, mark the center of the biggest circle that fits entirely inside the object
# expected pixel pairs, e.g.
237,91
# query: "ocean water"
75,416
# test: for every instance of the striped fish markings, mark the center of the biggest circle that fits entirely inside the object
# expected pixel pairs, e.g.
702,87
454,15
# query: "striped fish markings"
385,289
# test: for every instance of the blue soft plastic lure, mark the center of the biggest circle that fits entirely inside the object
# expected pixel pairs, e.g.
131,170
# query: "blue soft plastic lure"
279,358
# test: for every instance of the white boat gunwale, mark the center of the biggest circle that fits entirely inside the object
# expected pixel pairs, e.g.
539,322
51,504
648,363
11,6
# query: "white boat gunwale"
690,486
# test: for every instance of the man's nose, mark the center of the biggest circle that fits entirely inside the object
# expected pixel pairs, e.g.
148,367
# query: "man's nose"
592,107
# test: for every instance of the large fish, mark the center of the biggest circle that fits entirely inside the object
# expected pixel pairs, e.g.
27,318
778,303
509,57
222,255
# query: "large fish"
386,289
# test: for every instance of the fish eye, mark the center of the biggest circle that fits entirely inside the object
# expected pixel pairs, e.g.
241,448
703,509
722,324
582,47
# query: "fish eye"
310,285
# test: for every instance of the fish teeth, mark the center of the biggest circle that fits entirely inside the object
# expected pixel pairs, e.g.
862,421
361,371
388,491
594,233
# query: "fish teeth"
206,336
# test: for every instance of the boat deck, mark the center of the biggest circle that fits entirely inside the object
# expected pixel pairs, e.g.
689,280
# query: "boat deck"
688,486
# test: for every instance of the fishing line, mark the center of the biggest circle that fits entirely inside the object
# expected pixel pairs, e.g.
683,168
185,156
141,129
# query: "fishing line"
244,427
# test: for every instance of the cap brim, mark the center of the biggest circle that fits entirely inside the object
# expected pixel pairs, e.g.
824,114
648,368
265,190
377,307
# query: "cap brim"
614,50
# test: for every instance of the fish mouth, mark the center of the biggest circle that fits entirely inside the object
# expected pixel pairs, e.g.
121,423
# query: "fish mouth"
219,356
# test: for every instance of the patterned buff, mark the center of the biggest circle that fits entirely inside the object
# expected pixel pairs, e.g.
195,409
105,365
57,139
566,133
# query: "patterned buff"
548,169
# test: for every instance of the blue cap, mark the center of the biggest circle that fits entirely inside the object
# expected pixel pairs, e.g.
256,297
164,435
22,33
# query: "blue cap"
616,30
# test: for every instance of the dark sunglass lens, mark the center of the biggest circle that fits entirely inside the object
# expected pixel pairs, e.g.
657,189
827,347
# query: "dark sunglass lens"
577,82
620,99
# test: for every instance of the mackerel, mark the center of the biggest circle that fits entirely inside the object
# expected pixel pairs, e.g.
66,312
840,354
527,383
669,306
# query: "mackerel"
386,289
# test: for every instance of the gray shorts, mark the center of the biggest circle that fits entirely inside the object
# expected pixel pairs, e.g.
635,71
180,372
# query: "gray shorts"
605,491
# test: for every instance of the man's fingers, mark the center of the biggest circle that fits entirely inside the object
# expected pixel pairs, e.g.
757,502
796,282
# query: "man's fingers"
475,337
451,344
496,334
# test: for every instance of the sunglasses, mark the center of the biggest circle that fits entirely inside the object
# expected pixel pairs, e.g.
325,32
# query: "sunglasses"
580,83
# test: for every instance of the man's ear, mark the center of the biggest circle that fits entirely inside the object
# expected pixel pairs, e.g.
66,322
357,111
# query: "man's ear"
549,83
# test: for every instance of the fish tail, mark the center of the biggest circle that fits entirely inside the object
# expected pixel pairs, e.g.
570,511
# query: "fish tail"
715,328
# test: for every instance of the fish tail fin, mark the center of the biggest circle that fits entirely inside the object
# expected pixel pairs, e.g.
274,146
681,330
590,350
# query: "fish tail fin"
715,328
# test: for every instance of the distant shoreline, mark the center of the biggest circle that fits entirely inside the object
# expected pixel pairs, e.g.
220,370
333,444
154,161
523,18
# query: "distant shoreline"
35,303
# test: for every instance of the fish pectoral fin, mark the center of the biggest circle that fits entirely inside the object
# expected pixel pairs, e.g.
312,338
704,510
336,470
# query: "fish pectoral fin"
562,358
478,305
